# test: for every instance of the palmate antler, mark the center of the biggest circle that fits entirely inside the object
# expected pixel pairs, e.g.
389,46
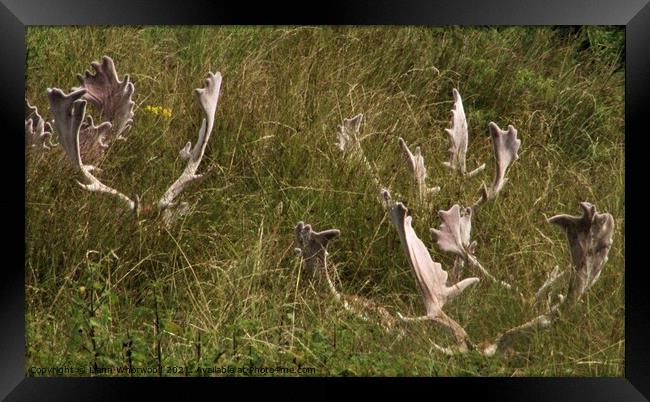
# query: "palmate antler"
38,132
590,238
110,95
77,131
312,248
430,277
69,118
506,144
458,138
453,236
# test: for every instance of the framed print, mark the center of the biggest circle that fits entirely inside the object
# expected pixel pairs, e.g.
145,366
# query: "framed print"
407,192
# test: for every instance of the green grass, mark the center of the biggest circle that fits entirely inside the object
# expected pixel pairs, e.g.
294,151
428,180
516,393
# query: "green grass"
221,287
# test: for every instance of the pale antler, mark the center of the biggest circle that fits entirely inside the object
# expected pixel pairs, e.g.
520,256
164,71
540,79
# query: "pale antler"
458,138
551,279
69,111
415,164
348,135
590,238
38,132
350,144
453,236
430,277
208,97
110,95
312,247
506,144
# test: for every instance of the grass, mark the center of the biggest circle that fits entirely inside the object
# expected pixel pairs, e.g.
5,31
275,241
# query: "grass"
221,288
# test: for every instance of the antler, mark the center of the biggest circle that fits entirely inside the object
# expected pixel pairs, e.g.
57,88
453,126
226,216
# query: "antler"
312,247
38,132
110,95
551,278
348,135
453,236
350,145
69,112
506,146
430,277
208,97
590,238
455,230
458,138
415,163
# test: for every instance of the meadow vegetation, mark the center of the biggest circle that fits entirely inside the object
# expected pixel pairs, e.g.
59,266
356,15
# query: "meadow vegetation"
222,286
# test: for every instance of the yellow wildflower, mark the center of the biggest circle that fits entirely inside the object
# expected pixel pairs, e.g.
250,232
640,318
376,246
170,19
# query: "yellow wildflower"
159,111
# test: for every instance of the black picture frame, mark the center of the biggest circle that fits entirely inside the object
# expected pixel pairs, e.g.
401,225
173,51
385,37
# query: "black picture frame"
15,15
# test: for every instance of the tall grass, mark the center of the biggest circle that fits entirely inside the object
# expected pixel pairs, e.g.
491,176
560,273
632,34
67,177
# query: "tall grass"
221,288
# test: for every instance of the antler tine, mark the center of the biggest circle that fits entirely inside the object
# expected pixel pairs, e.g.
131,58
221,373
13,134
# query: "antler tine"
506,145
69,116
208,97
458,138
38,132
457,135
415,164
67,119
